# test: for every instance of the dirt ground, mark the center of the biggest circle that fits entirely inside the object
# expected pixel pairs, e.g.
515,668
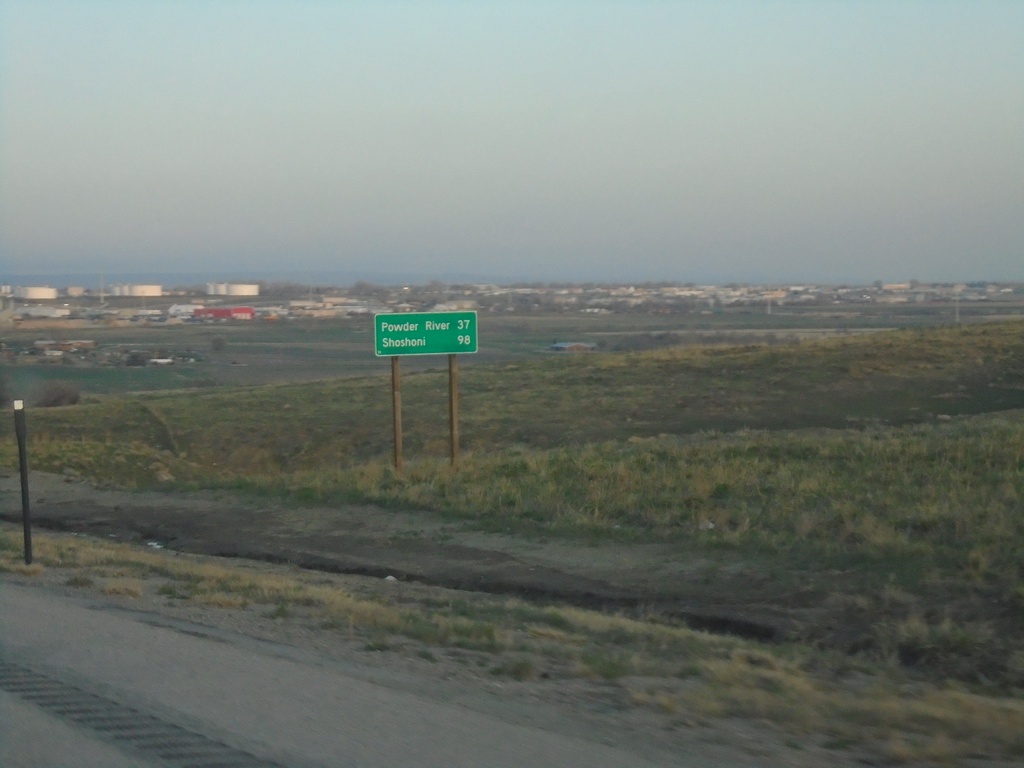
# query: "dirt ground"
357,547
370,541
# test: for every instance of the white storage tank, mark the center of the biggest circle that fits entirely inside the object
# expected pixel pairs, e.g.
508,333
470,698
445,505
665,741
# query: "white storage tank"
75,291
145,290
216,289
35,292
243,289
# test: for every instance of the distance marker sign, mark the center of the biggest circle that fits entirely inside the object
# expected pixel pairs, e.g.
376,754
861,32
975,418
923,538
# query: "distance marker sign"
424,333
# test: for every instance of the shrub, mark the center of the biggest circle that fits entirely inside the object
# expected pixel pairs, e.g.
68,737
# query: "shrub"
56,393
5,389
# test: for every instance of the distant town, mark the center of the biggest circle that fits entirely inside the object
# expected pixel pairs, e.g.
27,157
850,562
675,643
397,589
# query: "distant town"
281,301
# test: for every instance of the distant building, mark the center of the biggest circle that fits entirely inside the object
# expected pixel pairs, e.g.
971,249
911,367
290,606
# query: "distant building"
224,313
74,345
46,313
6,311
183,310
458,305
232,289
137,290
35,293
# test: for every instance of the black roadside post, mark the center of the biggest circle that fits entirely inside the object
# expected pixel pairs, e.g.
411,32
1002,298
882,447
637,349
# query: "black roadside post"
20,431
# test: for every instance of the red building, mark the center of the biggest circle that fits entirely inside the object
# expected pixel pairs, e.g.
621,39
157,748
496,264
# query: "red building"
224,313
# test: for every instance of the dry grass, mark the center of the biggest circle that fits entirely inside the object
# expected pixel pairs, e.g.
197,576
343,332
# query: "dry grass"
221,600
22,569
123,587
665,702
914,721
790,687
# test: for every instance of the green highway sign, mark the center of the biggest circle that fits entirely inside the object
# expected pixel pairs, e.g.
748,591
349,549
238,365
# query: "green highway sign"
424,333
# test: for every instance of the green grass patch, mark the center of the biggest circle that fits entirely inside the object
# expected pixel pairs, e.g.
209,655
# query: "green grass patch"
896,377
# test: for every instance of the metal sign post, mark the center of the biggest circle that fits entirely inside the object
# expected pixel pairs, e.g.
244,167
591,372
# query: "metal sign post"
425,333
21,432
396,410
453,406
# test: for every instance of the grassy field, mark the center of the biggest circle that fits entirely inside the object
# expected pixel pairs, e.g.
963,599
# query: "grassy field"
875,482
308,350
549,401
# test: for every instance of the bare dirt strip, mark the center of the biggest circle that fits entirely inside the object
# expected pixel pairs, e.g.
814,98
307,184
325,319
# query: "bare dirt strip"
371,541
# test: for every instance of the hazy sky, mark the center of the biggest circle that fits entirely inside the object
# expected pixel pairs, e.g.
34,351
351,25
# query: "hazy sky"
703,141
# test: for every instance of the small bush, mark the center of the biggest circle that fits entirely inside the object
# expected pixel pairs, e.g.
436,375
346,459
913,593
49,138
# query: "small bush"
123,587
519,669
5,390
609,667
58,393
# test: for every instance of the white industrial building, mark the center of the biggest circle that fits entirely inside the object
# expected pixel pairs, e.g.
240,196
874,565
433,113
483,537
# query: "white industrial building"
48,313
136,290
232,289
35,293
183,310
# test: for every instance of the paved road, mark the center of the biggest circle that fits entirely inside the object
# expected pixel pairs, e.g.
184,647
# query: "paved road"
254,701
30,738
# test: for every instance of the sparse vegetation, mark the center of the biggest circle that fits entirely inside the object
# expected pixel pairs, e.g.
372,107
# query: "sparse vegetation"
123,587
903,377
6,394
870,487
58,393
798,689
